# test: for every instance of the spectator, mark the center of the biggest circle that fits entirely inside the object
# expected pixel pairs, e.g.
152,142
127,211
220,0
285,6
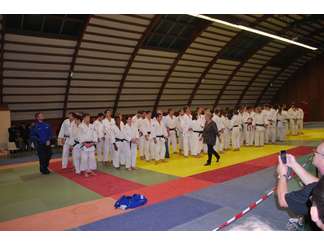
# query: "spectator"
317,209
299,201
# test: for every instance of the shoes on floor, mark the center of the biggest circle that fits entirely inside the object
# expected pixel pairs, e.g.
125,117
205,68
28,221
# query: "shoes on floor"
295,224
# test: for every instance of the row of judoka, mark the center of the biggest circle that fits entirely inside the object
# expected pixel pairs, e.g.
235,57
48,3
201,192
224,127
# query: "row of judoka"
154,135
110,138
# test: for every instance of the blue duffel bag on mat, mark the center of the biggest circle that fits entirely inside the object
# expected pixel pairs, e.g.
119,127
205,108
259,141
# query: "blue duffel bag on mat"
126,202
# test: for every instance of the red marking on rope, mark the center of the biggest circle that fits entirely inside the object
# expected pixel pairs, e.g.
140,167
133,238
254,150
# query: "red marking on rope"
238,216
253,205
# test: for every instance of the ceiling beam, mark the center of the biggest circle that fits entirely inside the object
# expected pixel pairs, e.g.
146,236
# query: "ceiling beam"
1,57
270,82
139,44
285,29
75,54
214,60
314,33
204,26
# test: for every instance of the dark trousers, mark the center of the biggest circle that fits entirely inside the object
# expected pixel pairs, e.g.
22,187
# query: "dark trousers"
44,153
211,152
167,154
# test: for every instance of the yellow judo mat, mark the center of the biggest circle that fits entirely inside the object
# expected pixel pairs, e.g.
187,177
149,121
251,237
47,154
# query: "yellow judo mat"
182,167
309,134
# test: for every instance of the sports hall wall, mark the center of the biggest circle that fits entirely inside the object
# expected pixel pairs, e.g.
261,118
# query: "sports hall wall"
306,88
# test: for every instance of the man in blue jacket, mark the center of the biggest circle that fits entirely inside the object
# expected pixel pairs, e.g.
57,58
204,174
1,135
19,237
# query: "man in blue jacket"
41,136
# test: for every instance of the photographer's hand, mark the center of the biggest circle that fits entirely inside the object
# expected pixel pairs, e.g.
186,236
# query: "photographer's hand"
305,177
282,169
282,186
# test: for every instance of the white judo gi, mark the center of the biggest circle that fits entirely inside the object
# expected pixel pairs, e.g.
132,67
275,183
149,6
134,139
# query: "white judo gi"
259,123
300,120
108,147
196,137
118,138
171,125
88,159
149,149
65,133
138,123
219,146
132,138
236,131
227,132
76,147
159,135
249,129
293,118
186,124
99,127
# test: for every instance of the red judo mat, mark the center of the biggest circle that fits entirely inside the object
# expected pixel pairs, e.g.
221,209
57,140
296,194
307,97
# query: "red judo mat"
104,184
248,167
171,189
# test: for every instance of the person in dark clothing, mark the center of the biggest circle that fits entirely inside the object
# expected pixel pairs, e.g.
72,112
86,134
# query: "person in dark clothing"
299,201
209,137
41,136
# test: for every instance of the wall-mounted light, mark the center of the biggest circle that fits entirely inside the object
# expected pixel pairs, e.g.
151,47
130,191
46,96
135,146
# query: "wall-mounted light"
245,28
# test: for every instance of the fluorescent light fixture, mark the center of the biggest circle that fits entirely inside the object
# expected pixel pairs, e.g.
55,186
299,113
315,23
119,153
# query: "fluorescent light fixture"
245,28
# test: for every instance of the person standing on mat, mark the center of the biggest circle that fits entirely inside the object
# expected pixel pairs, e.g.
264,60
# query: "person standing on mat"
209,136
41,136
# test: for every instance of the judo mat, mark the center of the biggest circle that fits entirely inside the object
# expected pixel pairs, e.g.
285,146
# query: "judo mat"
182,193
182,167
309,134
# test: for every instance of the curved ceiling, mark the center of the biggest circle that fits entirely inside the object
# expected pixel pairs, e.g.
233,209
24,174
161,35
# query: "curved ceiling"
63,63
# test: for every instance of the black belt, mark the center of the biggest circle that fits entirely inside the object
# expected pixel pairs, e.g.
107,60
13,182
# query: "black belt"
235,126
199,132
66,136
120,140
261,125
160,136
172,129
88,142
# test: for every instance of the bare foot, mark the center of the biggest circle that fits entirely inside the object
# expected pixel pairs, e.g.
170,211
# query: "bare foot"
86,175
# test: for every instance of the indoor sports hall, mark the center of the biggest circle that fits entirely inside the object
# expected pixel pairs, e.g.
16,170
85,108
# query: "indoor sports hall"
138,68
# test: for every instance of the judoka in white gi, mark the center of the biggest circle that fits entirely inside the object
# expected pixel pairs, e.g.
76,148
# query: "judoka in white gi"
171,125
75,143
180,131
149,149
159,135
64,138
293,118
137,121
259,125
227,131
281,121
236,131
300,120
99,127
88,139
119,142
202,121
186,123
130,144
108,122
196,136
219,147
